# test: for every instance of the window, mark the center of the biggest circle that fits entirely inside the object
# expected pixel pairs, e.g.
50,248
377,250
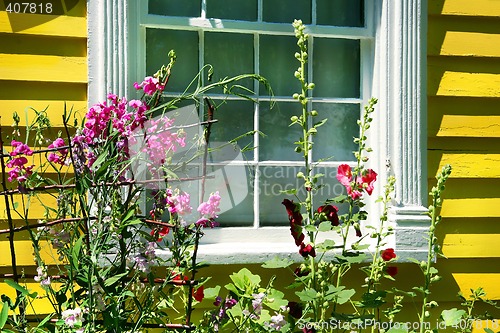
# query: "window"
357,49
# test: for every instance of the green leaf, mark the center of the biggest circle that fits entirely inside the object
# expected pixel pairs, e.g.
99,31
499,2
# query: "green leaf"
18,287
244,278
307,295
75,254
232,288
211,293
45,320
328,244
4,315
452,317
345,295
275,300
112,280
489,330
325,226
310,228
277,262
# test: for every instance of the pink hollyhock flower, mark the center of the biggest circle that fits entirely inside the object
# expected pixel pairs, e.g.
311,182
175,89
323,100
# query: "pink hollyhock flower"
329,213
388,254
368,179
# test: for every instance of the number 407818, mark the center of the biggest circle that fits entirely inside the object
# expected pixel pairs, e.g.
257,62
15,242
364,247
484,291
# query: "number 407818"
29,8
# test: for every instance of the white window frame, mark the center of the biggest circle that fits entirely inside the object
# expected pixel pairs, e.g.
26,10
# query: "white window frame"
396,37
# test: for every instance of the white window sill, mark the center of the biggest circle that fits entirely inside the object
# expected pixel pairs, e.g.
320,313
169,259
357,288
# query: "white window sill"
256,246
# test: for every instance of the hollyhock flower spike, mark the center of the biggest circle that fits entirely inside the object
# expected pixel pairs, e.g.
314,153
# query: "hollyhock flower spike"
295,219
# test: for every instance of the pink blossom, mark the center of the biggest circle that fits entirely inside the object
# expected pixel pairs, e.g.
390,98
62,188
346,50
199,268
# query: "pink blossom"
58,157
150,85
354,189
20,171
210,208
179,203
20,148
368,179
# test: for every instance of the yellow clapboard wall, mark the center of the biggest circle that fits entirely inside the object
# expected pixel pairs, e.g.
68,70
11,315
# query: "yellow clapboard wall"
464,131
43,65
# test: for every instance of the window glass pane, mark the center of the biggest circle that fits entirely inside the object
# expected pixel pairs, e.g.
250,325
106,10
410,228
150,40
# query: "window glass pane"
277,63
336,68
286,11
273,180
185,43
245,10
278,142
189,8
335,137
230,55
340,12
235,186
234,119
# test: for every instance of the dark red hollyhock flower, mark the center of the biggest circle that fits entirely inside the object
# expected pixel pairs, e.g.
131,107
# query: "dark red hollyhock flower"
392,270
329,213
308,330
307,250
198,294
295,219
295,309
388,254
358,231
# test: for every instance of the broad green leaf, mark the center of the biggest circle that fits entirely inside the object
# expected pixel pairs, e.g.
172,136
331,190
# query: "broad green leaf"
310,228
232,288
452,317
4,315
244,278
275,299
345,295
211,293
277,262
307,295
325,226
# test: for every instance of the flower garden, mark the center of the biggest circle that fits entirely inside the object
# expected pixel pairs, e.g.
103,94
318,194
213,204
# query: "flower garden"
118,206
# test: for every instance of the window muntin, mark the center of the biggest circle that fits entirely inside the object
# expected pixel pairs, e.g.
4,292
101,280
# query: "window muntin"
266,45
